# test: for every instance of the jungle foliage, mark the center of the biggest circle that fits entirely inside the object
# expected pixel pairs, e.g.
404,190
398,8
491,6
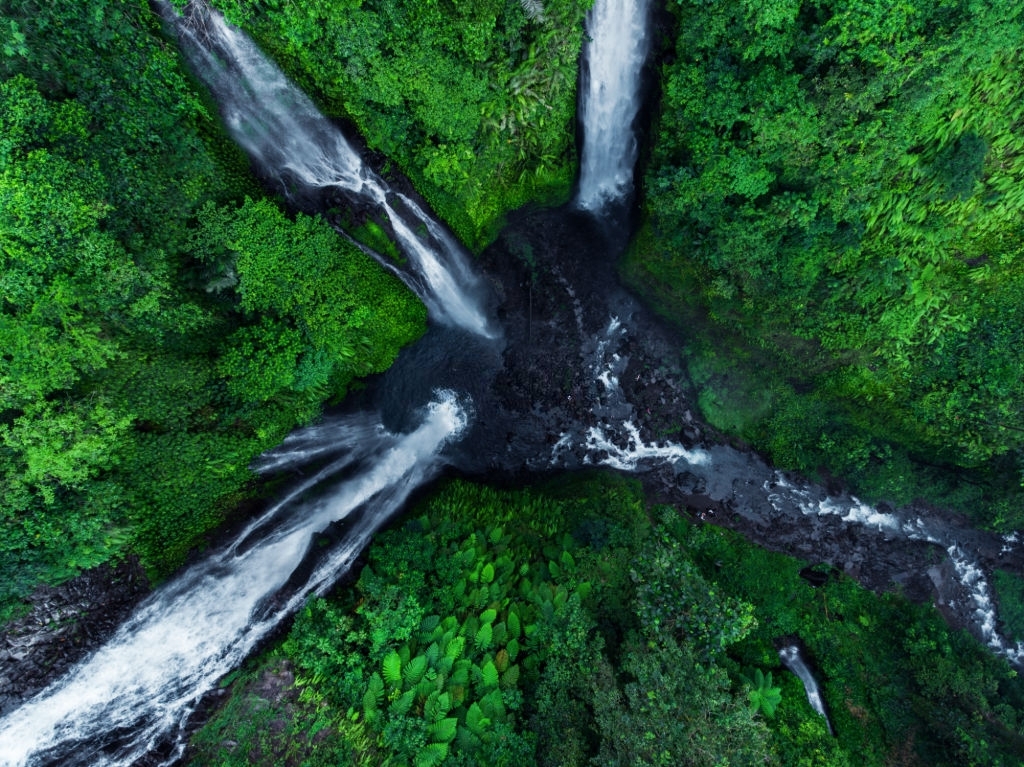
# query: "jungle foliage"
564,626
839,189
474,101
160,322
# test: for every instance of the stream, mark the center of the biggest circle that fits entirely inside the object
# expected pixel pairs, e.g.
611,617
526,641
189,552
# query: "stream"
529,366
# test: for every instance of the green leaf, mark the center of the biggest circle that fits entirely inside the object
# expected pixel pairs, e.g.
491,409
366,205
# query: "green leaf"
513,625
414,671
443,730
489,674
455,648
374,694
510,678
393,669
483,637
401,705
432,755
476,721
488,616
487,573
437,706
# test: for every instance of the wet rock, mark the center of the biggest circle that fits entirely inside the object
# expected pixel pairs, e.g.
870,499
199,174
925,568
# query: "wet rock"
65,623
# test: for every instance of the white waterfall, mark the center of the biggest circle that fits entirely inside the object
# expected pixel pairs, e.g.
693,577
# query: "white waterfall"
617,46
142,684
792,659
282,130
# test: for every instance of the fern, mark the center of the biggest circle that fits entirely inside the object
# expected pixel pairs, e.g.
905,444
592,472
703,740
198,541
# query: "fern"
432,755
489,674
426,686
510,678
534,9
483,637
455,648
493,705
401,705
393,669
512,648
499,634
476,721
466,741
513,625
433,653
437,706
414,670
443,730
373,696
501,660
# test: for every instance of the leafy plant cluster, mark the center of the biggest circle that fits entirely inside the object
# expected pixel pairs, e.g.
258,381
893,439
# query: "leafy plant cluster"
560,626
160,322
840,186
474,101
499,644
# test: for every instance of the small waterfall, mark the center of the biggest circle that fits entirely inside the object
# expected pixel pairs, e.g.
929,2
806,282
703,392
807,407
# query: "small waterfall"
139,688
614,55
281,129
793,660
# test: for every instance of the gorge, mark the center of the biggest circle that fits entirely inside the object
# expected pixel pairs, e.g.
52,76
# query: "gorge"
540,363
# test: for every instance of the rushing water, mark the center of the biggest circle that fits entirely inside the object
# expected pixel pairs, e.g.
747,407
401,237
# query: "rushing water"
614,55
138,690
291,141
793,660
143,684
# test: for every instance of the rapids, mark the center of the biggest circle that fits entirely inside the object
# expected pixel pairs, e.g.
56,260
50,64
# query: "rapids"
563,370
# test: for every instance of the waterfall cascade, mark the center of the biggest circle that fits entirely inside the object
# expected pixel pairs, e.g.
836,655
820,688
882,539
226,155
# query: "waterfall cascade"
793,660
138,690
143,684
614,55
284,133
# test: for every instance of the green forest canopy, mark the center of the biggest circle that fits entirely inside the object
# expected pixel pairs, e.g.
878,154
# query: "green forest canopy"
832,189
839,187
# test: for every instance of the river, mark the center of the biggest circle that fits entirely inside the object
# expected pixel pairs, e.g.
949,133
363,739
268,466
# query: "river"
555,370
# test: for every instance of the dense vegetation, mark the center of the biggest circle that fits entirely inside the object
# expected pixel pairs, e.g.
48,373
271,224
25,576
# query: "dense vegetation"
474,101
564,627
161,323
832,201
835,195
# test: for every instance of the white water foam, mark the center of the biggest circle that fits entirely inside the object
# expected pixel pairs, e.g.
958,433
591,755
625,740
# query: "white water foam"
972,578
149,677
614,53
281,128
601,444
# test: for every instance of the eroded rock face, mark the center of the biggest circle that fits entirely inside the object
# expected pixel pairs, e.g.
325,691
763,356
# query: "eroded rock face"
63,625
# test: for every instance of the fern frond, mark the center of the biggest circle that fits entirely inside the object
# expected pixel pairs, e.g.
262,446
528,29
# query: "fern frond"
432,755
534,9
443,730
393,669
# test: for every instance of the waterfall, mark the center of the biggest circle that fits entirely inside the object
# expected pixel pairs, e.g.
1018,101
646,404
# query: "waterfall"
793,660
614,55
143,684
282,131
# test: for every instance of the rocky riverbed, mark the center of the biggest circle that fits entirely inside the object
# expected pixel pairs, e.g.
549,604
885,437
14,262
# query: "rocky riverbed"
62,625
